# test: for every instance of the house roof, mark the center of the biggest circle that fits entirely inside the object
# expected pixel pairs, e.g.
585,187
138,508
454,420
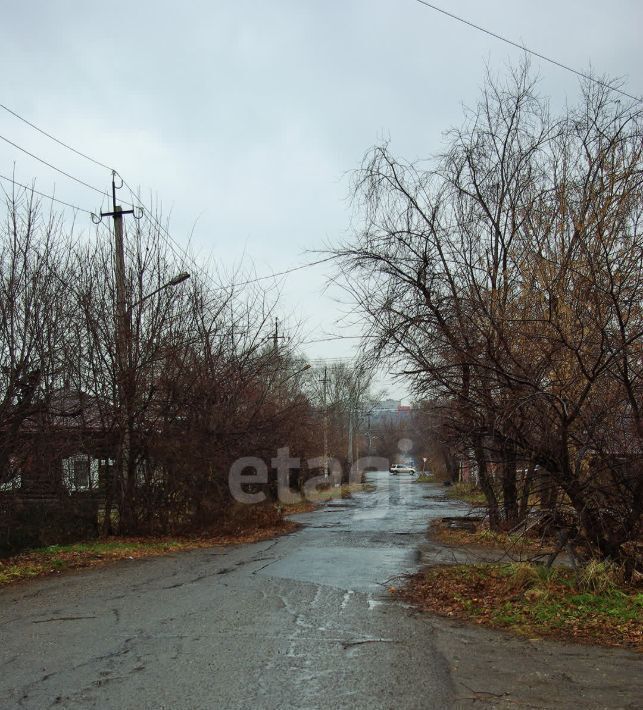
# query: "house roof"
70,409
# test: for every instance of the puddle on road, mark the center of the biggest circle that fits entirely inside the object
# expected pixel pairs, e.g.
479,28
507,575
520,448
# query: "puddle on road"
351,568
378,522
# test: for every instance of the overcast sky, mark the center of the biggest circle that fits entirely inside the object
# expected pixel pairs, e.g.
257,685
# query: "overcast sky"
245,116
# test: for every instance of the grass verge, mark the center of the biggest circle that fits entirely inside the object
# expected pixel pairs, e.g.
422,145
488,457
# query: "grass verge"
588,606
466,492
96,553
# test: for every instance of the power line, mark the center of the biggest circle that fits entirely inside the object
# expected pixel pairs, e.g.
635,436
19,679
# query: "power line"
53,138
183,254
264,278
96,162
287,271
176,248
216,288
42,194
53,167
529,51
335,360
173,245
337,337
180,252
78,180
170,241
186,256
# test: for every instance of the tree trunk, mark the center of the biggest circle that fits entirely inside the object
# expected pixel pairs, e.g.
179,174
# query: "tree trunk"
109,498
510,489
549,493
451,466
485,484
526,491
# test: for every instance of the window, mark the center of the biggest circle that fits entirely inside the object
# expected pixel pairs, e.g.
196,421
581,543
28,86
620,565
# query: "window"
11,483
80,473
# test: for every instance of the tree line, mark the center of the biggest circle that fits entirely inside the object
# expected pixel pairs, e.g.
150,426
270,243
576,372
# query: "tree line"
504,279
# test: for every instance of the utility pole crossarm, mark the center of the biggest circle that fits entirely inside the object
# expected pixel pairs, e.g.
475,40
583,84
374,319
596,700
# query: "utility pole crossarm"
276,337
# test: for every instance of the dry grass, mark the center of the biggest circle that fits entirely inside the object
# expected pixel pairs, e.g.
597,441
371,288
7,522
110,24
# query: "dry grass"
425,478
483,537
303,506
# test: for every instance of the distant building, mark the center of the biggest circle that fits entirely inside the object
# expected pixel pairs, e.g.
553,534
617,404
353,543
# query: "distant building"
389,411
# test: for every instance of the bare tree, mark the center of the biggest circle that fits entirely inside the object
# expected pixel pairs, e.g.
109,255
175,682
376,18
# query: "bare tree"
201,383
33,317
505,279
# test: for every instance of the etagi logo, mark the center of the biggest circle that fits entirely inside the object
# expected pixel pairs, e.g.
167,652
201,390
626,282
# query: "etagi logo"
249,476
251,472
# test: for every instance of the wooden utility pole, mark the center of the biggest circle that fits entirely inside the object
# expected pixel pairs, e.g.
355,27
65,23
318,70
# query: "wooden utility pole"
356,436
324,393
124,468
350,434
353,418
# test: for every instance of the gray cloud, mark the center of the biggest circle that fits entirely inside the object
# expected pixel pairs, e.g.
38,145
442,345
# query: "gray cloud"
250,113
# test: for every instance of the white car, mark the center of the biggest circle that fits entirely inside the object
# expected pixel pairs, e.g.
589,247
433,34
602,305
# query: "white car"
402,468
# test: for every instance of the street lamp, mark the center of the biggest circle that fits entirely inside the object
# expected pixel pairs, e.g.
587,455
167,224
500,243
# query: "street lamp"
294,374
179,278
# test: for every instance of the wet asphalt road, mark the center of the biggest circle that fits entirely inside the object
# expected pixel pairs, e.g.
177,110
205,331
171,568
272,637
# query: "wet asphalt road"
302,621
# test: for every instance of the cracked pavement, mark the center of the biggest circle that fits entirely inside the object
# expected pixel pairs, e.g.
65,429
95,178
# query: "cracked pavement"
301,621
